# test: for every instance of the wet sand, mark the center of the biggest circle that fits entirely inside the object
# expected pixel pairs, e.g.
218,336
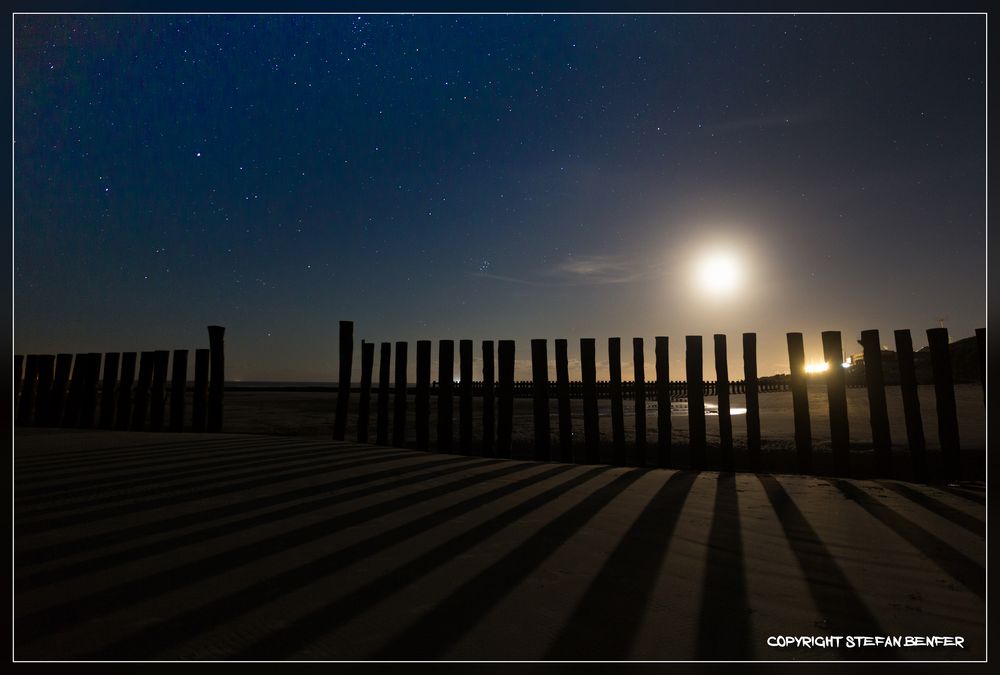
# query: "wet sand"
311,415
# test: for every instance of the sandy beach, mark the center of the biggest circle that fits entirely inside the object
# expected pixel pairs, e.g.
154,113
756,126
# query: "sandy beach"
159,546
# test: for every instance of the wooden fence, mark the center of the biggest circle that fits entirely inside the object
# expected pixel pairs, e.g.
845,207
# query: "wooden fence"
66,391
497,419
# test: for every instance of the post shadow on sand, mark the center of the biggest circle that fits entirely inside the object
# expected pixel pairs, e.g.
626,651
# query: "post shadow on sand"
163,546
202,619
159,479
724,620
445,624
966,571
833,594
433,469
117,505
102,602
312,626
623,586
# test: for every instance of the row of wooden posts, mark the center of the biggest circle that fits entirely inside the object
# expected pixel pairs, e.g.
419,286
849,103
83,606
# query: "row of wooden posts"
497,431
676,388
62,391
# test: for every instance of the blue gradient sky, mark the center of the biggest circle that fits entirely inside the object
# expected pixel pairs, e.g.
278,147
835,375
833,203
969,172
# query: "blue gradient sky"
493,177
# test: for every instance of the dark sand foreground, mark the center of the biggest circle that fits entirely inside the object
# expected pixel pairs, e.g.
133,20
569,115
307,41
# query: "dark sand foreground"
166,546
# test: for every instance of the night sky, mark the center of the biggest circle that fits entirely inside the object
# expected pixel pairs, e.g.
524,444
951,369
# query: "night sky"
493,177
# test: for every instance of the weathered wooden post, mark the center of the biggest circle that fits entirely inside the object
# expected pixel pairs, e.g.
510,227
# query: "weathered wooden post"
27,403
71,411
344,379
399,407
911,404
465,396
800,401
157,394
178,389
562,394
591,424
878,413
365,399
696,400
944,392
505,397
57,397
639,399
141,390
217,376
382,414
664,428
540,394
199,398
46,371
981,345
92,374
489,403
749,387
109,381
722,392
836,392
423,400
617,407
446,384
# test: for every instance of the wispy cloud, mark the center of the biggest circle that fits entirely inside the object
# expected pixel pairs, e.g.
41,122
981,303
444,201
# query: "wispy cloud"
592,270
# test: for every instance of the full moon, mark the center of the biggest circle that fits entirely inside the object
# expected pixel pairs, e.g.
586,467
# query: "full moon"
719,274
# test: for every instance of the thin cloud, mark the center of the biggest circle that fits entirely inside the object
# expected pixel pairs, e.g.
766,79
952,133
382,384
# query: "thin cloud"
598,270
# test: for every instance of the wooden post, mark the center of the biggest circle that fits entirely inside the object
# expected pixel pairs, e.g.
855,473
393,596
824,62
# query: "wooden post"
591,424
664,427
217,377
505,396
722,392
71,411
43,388
981,344
382,414
749,387
878,413
617,407
423,401
562,394
836,392
399,408
57,397
696,400
800,401
944,392
639,399
157,394
88,406
446,385
465,396
911,404
489,420
109,381
344,380
27,405
199,400
364,403
141,390
540,394
178,389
